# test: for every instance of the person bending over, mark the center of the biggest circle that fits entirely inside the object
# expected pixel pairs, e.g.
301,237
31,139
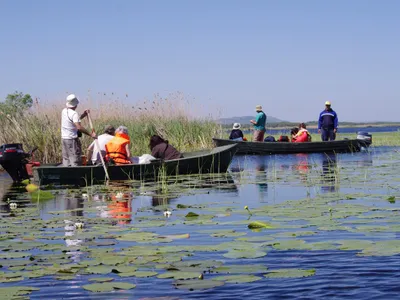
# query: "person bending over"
161,149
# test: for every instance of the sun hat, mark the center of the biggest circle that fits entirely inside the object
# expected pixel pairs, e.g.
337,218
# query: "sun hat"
236,126
258,107
72,101
328,103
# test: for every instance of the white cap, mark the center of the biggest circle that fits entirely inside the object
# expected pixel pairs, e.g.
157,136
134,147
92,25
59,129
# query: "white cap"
236,126
72,101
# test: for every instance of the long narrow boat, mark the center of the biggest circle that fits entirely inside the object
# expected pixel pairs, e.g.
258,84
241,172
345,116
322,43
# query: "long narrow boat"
339,146
216,160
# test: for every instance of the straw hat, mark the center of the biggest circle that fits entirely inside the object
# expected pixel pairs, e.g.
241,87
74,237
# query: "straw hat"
72,101
258,107
328,103
236,126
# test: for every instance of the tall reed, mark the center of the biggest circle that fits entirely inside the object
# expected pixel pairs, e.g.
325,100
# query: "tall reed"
172,117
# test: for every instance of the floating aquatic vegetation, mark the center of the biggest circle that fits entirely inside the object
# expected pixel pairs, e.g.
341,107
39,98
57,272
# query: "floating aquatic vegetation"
197,284
108,286
232,269
259,225
237,278
290,273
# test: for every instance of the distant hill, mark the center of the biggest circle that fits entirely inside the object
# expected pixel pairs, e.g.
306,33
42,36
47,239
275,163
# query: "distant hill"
246,120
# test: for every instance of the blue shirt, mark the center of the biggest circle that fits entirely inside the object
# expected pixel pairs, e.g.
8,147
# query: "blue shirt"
261,119
328,119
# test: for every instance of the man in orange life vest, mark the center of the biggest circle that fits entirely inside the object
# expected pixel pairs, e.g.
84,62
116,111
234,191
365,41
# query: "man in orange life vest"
117,149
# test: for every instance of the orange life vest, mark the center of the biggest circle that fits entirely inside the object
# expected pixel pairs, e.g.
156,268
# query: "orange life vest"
302,136
116,148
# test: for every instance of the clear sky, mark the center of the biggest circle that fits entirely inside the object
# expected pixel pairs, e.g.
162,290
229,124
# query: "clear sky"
227,56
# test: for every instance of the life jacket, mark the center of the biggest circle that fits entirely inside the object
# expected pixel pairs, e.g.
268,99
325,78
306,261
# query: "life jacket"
116,149
302,136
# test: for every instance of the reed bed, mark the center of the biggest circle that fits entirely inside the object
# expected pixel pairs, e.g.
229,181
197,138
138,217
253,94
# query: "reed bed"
172,117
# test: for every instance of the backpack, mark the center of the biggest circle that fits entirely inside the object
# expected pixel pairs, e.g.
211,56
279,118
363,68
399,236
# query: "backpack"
283,138
269,138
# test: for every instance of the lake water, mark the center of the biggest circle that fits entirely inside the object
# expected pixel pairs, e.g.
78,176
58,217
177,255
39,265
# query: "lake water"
345,130
332,231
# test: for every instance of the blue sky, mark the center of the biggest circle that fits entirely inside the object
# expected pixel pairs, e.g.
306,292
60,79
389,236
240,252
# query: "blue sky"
227,56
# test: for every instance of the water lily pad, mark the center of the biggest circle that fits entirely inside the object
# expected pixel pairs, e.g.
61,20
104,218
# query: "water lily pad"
98,270
65,277
259,225
197,284
41,195
291,245
290,273
248,253
14,291
354,244
108,286
143,274
231,269
101,279
191,215
175,236
179,275
237,278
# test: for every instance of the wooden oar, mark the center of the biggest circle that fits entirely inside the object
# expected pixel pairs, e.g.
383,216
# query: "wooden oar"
96,141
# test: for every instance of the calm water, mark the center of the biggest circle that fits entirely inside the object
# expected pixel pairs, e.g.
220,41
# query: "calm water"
309,199
345,130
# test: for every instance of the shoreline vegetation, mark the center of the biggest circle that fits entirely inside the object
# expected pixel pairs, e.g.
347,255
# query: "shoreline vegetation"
39,126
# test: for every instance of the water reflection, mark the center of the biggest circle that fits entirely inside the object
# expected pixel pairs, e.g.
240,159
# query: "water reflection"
329,173
12,194
261,177
120,207
302,167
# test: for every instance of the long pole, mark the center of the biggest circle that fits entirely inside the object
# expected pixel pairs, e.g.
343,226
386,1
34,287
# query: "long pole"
96,141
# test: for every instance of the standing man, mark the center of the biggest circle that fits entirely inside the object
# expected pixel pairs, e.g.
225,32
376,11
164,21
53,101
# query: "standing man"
328,123
259,125
71,130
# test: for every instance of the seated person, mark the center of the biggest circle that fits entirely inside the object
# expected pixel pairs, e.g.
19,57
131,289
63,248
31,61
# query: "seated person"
161,149
236,133
92,152
302,135
293,132
117,149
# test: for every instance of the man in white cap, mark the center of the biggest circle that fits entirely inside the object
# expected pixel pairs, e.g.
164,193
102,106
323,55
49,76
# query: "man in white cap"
71,130
328,123
259,124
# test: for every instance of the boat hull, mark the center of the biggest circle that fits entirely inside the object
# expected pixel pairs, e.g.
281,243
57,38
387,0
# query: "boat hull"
216,160
340,146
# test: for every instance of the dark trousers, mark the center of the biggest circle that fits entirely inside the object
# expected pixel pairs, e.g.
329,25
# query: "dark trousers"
328,134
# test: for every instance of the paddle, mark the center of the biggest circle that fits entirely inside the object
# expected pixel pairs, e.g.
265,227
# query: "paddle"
96,141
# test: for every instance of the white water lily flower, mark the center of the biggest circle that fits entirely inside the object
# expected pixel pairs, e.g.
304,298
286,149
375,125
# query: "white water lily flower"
119,195
79,225
13,205
167,213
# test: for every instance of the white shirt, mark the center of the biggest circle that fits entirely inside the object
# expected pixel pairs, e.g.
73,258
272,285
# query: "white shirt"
103,140
68,128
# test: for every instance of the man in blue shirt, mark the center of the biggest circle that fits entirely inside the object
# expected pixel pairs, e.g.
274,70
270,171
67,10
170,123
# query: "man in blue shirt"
328,123
259,124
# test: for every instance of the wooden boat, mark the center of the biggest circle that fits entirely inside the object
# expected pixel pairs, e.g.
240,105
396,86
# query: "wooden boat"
216,160
339,146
